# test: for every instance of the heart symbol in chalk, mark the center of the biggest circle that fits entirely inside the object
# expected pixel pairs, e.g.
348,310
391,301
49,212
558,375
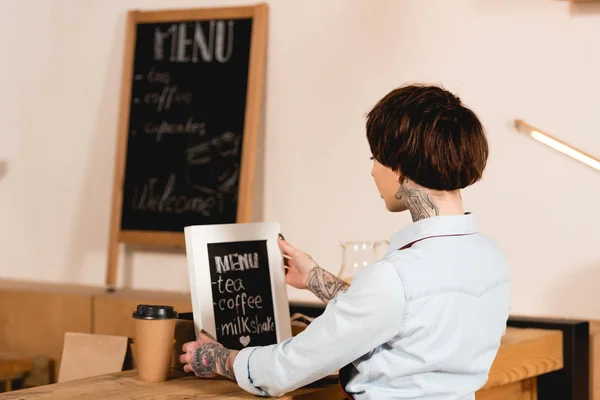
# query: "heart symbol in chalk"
244,340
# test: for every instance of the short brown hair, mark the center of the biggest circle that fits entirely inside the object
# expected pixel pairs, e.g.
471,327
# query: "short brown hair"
427,134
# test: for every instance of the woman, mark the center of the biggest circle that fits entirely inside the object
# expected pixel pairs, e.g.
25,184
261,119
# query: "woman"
426,321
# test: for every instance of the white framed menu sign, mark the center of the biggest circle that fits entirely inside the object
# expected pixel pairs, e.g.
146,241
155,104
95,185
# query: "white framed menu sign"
237,283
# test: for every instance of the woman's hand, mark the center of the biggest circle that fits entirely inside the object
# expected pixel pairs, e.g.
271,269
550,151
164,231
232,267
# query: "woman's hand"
207,359
299,263
304,273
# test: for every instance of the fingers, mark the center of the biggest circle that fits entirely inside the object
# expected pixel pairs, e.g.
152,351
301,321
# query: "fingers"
188,368
185,358
287,248
189,346
185,346
205,338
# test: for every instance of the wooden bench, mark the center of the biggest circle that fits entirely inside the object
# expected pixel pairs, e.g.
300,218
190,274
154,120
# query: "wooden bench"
13,367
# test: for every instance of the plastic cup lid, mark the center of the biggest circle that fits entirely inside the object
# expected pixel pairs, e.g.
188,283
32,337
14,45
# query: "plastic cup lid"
145,311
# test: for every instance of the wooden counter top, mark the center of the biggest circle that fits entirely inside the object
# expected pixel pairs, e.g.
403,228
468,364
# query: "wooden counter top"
523,355
526,353
127,386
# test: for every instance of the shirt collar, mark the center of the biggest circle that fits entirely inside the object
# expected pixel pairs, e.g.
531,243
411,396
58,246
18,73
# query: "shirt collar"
433,226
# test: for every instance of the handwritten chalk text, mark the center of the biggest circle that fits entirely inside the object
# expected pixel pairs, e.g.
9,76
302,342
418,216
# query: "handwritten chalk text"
152,199
165,128
236,262
241,325
168,96
195,42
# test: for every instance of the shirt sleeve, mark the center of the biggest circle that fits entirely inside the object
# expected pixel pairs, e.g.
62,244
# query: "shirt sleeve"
370,313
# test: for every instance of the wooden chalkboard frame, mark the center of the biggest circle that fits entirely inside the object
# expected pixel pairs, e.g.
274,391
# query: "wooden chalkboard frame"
198,238
259,15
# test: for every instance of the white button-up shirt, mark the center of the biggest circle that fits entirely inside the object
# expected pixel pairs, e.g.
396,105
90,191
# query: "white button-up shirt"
425,322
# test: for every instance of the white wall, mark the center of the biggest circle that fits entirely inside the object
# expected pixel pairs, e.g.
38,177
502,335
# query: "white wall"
328,63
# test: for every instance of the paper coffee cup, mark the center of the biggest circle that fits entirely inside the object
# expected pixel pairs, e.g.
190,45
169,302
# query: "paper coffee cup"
154,332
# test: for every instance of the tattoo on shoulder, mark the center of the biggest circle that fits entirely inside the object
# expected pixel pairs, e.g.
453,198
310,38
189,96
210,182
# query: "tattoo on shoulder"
324,284
418,202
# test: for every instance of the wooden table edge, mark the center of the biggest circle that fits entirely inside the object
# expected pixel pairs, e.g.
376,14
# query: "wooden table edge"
550,337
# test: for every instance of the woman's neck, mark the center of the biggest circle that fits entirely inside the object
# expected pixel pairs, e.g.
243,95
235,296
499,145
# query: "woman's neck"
424,203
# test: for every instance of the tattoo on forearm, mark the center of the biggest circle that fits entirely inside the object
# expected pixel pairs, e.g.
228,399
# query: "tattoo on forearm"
224,366
418,202
324,284
210,359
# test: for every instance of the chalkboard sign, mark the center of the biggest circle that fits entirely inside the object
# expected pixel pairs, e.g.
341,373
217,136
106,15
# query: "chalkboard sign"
186,124
190,107
237,283
242,298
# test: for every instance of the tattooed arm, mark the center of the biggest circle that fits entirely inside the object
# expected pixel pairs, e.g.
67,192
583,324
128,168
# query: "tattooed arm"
304,273
334,339
324,284
208,359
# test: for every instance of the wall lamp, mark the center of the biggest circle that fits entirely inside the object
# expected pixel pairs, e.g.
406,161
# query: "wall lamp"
557,145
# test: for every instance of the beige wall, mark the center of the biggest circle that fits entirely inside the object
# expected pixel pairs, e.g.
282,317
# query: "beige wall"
328,63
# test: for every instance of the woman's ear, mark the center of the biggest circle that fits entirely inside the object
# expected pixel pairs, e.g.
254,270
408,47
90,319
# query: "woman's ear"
399,176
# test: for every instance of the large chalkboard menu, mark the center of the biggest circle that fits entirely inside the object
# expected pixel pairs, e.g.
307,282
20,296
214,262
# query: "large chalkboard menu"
237,283
190,108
